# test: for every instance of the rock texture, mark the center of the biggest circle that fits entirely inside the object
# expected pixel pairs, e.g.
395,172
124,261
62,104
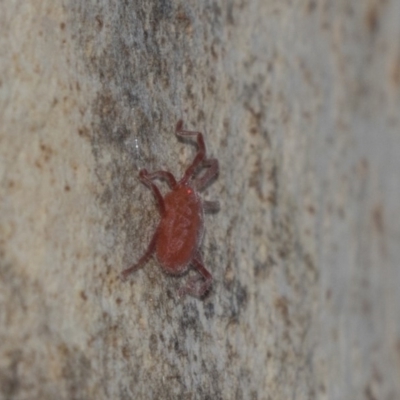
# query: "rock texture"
299,101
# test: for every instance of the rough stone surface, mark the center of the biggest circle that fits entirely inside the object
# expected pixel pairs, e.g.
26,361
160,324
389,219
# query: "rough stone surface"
300,102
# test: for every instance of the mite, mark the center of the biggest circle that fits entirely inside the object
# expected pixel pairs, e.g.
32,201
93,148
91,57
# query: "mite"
179,234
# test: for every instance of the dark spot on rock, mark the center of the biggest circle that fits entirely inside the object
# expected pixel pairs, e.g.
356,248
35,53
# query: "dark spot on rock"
99,22
283,252
76,372
162,9
368,393
328,294
241,296
366,307
363,167
377,218
84,132
83,295
282,305
67,188
62,25
9,379
209,310
395,71
372,18
262,269
189,318
310,7
153,342
47,152
214,52
201,116
125,352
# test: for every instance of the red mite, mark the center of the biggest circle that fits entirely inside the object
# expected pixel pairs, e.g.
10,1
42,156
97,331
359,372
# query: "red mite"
178,236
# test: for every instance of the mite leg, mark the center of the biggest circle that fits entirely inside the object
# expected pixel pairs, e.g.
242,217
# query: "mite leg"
213,168
197,287
145,177
164,175
201,152
211,206
142,260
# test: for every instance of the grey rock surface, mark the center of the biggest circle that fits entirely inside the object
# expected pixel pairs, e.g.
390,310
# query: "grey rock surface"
299,101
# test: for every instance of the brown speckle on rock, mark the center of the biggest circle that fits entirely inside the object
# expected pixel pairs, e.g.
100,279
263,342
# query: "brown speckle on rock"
311,209
395,71
372,18
282,305
377,218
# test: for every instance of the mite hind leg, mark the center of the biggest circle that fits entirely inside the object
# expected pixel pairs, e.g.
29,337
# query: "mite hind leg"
142,260
197,286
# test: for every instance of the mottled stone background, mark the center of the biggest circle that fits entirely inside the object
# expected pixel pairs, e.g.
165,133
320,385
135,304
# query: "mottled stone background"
300,102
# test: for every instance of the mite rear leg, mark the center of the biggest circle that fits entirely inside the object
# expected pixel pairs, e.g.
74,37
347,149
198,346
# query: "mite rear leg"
142,260
197,286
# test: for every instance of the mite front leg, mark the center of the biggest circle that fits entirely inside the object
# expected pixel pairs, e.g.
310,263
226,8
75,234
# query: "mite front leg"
164,175
198,286
145,177
201,153
212,171
211,206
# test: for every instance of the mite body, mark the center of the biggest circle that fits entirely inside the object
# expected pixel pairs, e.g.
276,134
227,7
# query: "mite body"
178,236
